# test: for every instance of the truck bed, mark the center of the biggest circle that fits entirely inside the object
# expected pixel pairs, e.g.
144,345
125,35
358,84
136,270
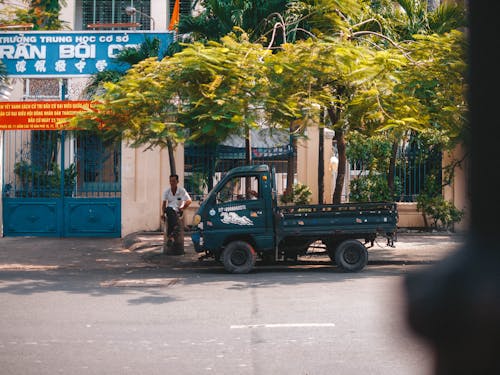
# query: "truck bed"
330,219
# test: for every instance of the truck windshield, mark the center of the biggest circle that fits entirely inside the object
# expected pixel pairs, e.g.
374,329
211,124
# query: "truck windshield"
239,188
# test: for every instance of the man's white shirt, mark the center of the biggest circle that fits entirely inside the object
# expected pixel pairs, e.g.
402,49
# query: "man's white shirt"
175,200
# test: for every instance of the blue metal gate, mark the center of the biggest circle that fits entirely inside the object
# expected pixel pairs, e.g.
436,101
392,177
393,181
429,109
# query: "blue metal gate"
60,184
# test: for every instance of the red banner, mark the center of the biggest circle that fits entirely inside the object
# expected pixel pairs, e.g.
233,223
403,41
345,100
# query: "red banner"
39,115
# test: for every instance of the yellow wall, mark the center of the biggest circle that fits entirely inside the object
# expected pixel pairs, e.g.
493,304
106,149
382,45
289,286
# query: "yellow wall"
145,175
457,192
307,161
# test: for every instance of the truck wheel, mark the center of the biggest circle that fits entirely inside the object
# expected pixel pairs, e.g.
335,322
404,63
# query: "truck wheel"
351,256
239,257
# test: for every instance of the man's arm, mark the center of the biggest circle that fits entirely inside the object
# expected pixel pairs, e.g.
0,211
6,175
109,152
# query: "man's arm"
164,198
185,202
163,209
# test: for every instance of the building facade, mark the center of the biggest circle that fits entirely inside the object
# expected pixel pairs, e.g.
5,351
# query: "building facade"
120,187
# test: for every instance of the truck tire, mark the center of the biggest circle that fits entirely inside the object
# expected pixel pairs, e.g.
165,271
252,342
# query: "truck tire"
351,256
239,257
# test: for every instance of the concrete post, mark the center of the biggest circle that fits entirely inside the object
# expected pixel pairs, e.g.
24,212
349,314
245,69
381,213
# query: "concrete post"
175,247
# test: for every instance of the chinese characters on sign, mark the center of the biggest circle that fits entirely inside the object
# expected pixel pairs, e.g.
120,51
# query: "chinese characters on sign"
69,54
38,115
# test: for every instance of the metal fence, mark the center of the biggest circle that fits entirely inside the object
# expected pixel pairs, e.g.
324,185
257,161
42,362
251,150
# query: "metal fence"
205,165
41,164
414,165
62,184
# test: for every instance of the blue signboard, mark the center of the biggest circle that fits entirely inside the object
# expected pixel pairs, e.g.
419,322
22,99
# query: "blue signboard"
70,54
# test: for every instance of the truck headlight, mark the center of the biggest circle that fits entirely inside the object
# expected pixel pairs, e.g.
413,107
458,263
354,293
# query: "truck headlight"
196,219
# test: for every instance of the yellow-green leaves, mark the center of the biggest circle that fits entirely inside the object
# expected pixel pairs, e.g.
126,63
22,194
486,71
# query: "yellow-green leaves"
209,91
278,69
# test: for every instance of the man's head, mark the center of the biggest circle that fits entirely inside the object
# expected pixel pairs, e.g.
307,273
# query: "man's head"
174,180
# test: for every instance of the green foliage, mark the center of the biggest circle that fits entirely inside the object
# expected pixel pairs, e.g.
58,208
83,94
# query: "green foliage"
372,188
196,183
41,182
128,56
436,79
431,203
219,17
401,20
94,87
205,92
443,213
301,194
211,90
372,154
133,55
3,71
43,14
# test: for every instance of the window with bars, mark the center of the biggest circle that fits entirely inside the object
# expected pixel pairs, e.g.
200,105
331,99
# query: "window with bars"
113,11
42,88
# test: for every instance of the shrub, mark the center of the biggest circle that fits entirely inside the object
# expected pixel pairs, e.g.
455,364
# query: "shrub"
300,194
36,181
372,188
443,213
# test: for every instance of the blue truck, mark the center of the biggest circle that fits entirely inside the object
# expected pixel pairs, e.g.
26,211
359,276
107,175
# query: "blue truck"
240,222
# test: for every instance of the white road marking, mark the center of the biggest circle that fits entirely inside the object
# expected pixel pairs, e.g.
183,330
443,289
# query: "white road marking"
153,282
283,325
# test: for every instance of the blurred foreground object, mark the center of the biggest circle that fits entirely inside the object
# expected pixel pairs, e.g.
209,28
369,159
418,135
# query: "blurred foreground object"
455,305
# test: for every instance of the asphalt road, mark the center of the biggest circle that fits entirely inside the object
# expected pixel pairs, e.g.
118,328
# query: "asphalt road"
110,306
156,321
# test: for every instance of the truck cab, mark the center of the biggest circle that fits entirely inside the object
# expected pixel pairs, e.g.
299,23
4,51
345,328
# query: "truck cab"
239,209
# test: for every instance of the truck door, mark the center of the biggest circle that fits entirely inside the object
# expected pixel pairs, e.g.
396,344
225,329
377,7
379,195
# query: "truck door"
240,210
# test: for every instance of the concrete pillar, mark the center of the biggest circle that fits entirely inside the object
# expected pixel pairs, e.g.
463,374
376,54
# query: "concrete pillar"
307,161
457,191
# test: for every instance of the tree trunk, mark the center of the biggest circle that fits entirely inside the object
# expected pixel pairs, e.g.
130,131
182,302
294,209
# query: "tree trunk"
171,157
290,172
321,165
248,147
248,158
341,172
392,168
177,246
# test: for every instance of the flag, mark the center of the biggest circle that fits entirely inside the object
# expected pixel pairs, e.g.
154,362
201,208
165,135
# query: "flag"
174,20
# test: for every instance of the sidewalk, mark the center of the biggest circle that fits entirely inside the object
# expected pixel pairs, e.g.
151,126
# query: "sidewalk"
409,248
145,249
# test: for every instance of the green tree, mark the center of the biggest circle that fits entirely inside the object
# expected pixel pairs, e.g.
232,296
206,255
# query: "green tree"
127,57
329,74
219,17
404,23
270,23
211,90
388,105
203,93
43,14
